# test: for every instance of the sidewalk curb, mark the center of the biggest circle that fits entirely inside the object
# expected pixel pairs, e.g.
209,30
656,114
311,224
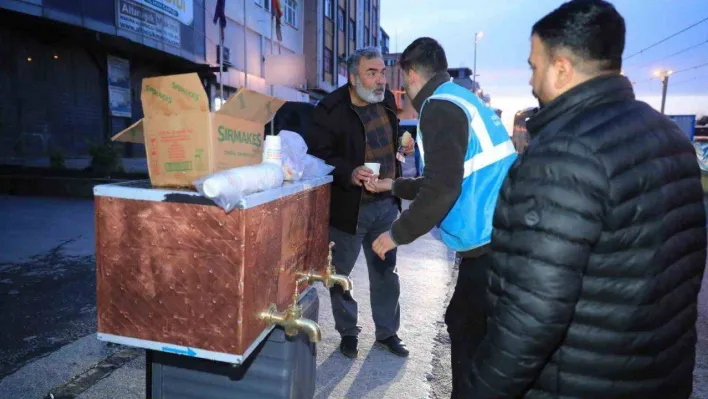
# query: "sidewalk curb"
47,182
94,375
50,186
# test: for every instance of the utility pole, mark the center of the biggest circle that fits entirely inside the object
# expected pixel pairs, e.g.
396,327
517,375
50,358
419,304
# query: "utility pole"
665,84
664,75
221,66
245,45
477,36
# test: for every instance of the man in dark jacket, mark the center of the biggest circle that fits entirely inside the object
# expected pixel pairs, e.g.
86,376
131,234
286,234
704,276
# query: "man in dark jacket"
466,155
599,240
353,125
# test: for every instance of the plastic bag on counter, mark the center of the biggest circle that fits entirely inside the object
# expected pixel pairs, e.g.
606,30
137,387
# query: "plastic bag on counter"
228,187
315,167
294,150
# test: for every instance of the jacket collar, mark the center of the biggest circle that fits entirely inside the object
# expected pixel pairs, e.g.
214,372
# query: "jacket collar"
429,88
596,91
341,96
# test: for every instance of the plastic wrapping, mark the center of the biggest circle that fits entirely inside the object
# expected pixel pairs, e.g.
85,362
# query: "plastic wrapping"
294,151
228,187
315,167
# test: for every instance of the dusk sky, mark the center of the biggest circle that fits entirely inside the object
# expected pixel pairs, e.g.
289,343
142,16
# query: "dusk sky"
503,50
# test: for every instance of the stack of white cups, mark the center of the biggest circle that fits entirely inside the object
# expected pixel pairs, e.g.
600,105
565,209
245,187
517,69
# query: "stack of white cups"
272,151
228,187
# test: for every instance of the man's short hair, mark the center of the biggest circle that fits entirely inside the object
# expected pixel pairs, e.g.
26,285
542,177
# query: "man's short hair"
592,31
425,56
355,58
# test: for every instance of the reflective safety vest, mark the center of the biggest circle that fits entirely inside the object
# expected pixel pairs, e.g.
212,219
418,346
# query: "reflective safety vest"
490,154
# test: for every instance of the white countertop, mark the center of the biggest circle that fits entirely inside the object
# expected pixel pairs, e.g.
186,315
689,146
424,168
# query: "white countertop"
142,190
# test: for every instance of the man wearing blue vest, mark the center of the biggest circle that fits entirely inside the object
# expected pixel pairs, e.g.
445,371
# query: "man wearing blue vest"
466,152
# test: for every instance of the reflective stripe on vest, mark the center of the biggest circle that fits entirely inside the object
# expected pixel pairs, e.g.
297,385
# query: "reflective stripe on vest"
489,153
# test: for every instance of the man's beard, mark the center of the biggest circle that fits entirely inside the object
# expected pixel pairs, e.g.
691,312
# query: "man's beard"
540,103
407,90
369,95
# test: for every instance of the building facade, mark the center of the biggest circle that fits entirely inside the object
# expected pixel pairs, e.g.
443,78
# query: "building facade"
248,51
334,29
71,71
385,42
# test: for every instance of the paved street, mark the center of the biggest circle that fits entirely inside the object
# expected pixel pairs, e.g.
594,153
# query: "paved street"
46,277
48,318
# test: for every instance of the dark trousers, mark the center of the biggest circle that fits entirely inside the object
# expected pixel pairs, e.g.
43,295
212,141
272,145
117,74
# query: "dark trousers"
466,318
384,286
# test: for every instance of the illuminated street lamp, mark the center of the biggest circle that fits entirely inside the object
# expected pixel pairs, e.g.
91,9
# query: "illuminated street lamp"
664,75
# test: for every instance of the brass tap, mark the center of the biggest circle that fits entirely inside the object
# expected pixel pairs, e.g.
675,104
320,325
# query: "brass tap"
329,278
292,321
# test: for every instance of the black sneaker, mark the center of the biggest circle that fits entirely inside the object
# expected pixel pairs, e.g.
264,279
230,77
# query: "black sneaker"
394,345
349,346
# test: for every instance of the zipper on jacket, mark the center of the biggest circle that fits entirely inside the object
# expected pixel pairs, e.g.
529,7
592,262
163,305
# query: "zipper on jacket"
361,192
395,144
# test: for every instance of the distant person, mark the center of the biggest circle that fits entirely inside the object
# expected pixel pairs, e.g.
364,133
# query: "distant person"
466,152
599,240
520,135
353,125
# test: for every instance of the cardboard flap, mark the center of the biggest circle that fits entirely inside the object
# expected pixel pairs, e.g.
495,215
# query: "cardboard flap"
251,106
133,134
169,95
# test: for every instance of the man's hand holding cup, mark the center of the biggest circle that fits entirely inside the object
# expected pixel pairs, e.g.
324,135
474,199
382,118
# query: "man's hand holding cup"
379,185
365,173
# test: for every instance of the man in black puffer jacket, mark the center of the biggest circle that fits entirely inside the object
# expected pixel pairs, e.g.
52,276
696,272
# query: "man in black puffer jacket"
600,233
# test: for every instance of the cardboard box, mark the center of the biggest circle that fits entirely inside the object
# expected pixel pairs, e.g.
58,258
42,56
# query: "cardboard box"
184,141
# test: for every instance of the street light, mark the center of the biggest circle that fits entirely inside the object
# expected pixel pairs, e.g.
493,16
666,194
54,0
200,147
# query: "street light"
664,75
477,36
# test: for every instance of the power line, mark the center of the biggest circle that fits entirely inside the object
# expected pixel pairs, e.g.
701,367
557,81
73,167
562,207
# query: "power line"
680,82
642,81
665,39
675,54
672,73
691,68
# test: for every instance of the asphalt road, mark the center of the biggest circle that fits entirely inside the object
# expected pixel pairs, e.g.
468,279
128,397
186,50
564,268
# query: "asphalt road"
47,278
47,314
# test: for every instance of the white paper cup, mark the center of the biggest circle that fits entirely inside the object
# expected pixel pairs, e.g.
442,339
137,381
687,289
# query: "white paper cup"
374,166
272,151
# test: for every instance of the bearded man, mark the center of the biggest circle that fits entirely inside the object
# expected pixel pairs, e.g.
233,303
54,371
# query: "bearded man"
354,125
